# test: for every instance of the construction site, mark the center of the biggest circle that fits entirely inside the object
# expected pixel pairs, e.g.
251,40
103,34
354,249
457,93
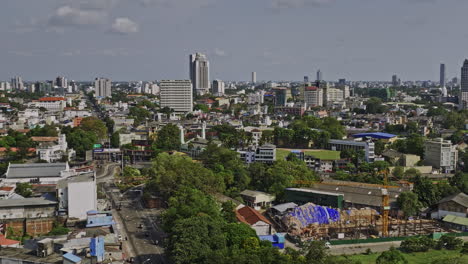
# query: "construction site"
347,210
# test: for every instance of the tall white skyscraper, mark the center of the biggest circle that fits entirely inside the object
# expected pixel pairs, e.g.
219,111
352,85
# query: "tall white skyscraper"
218,88
17,83
177,95
254,77
103,87
319,75
442,75
200,73
463,100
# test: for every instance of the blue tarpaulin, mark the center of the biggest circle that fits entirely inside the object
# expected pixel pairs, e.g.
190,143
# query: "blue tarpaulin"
315,214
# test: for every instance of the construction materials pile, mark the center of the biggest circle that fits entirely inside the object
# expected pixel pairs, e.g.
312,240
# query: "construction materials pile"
310,218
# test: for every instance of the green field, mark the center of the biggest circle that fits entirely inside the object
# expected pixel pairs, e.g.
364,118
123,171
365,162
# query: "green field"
281,154
416,258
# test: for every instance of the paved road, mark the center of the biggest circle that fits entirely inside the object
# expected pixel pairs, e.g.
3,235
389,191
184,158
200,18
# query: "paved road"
138,224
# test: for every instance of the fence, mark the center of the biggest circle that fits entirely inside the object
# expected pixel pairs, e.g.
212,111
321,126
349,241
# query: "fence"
384,239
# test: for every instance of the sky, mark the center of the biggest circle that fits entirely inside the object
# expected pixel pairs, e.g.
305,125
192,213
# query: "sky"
278,39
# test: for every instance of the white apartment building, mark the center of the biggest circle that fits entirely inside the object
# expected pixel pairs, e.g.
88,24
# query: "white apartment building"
313,96
366,146
53,152
177,95
103,87
334,95
264,154
441,154
50,103
218,88
77,195
256,98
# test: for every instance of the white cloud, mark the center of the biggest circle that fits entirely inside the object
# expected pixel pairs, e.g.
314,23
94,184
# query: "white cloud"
220,52
68,16
279,4
124,25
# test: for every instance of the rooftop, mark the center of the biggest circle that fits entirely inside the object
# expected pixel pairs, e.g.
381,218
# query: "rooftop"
26,202
35,170
378,135
459,198
250,216
29,256
456,220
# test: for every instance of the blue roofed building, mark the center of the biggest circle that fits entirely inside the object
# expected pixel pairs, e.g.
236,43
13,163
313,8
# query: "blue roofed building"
277,240
377,135
69,258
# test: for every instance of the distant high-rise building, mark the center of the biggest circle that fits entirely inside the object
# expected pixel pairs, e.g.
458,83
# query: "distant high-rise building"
442,75
282,94
61,81
254,77
177,95
199,73
342,82
17,83
319,75
103,87
218,88
395,80
306,79
464,86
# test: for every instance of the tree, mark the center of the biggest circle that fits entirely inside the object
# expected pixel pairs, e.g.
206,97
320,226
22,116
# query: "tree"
129,172
408,202
425,190
196,240
188,202
238,233
283,174
417,244
139,114
449,242
95,125
115,139
460,180
392,256
81,140
168,138
229,211
23,189
316,252
169,173
398,172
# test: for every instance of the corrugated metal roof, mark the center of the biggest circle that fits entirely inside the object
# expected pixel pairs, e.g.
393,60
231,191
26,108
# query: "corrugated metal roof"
35,170
72,258
25,202
456,220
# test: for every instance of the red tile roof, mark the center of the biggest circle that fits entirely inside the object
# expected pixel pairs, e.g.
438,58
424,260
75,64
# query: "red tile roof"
7,242
6,188
44,139
51,99
250,216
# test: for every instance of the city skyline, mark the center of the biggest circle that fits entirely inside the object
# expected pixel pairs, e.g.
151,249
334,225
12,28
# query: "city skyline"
144,40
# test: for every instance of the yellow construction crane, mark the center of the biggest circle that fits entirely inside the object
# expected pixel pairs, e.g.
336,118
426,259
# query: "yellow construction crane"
385,203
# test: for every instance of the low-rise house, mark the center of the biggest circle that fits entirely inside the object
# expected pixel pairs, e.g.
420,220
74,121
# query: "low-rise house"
55,151
254,219
456,222
256,199
456,204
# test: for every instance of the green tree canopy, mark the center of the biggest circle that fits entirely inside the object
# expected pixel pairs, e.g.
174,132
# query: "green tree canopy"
168,138
169,173
95,125
409,203
392,256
